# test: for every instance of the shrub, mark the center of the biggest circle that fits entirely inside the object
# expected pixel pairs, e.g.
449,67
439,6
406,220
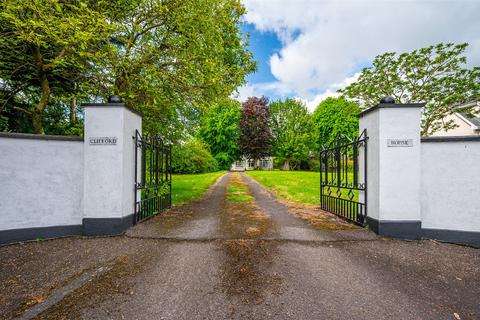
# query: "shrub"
192,157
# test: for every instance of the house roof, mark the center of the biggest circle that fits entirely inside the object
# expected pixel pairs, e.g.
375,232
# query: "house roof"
474,121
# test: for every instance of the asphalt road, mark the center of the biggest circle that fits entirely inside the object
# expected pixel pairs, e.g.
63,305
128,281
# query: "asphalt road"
183,265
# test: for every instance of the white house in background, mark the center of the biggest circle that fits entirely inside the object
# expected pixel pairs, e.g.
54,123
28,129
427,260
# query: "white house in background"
243,164
466,126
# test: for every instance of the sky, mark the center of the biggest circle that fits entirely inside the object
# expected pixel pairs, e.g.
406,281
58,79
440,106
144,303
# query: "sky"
308,49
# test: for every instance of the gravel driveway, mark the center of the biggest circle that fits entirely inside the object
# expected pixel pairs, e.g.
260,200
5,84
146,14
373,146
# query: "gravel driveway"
185,264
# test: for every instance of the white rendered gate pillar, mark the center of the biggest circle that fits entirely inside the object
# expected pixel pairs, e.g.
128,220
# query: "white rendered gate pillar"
393,168
109,167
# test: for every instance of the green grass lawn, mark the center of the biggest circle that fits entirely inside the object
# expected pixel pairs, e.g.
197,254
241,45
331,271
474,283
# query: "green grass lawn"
237,191
192,186
297,186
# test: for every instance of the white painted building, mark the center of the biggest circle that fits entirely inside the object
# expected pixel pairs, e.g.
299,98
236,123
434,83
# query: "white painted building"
243,164
465,125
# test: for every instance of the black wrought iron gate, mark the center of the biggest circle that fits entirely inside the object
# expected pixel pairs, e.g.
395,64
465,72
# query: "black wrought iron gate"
343,178
153,176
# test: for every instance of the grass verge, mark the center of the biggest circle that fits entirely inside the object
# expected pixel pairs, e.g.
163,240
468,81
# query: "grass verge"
187,187
297,186
237,191
320,219
301,191
241,218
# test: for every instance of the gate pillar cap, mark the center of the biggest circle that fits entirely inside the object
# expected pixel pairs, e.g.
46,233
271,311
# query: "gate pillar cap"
113,101
389,102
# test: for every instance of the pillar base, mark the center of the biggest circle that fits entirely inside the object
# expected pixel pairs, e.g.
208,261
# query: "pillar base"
409,229
106,226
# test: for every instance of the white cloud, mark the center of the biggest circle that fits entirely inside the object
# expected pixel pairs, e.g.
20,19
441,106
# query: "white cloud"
244,92
313,103
281,89
331,91
327,41
276,88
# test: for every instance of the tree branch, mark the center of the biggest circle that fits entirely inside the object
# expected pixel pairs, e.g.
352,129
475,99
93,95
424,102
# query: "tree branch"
23,110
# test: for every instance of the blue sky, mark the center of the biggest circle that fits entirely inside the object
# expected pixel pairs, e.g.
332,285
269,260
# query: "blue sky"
308,49
263,45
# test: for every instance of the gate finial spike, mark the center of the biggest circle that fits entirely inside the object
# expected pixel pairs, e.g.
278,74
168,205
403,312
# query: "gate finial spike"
387,99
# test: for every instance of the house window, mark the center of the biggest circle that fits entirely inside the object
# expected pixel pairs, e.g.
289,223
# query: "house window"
264,163
251,163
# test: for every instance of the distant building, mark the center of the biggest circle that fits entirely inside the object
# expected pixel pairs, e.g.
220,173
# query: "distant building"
466,126
243,164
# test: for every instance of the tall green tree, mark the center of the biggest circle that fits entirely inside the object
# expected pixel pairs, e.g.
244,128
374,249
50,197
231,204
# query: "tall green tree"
333,116
435,75
220,130
173,58
291,127
45,45
255,135
168,59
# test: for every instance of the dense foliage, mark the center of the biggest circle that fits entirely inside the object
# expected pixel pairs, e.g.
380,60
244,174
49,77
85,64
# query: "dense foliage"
435,75
333,116
168,59
172,58
291,127
192,157
256,138
47,50
219,129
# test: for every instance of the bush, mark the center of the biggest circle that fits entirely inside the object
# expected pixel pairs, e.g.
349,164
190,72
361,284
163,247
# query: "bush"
224,160
192,157
314,164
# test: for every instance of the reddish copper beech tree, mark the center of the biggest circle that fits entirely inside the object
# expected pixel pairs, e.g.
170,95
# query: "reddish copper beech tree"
255,135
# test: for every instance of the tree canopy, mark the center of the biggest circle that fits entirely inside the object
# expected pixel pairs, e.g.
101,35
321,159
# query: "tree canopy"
219,129
291,127
255,135
333,116
436,75
46,49
168,59
173,58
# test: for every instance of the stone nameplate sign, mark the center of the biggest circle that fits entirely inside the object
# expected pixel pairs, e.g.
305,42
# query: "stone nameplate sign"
98,141
399,142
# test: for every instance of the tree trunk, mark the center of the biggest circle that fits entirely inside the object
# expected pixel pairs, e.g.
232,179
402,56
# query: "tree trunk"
73,111
37,114
37,122
286,165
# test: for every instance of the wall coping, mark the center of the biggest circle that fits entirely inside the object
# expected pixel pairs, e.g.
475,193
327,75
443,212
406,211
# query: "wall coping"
14,135
451,139
390,105
111,104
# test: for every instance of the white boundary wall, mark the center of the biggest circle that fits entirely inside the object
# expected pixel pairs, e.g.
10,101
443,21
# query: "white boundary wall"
450,197
420,188
53,186
41,182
